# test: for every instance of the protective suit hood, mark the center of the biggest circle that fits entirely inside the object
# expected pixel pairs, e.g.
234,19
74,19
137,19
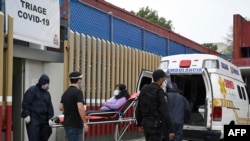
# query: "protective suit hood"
44,79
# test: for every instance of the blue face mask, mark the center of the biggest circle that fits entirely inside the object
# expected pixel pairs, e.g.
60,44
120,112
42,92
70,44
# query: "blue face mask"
116,92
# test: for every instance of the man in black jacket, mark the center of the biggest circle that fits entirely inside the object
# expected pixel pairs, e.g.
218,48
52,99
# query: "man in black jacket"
151,109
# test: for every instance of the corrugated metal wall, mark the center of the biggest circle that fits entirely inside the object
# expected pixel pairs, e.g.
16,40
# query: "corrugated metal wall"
85,19
176,48
94,22
156,44
104,64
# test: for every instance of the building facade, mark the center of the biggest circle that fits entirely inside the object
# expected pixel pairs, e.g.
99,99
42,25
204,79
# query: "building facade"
241,45
103,20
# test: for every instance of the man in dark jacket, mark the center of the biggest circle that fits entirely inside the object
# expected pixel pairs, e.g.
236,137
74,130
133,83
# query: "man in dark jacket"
37,110
152,107
179,109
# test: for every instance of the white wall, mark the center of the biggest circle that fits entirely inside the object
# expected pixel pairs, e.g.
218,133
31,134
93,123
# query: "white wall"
55,72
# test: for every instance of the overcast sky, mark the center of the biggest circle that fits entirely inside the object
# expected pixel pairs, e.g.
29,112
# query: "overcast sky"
203,21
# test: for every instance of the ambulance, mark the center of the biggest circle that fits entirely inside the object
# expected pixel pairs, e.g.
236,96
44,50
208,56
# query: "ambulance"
215,90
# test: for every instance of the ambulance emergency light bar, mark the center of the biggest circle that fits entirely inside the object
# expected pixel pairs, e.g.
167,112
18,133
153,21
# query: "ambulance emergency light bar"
207,63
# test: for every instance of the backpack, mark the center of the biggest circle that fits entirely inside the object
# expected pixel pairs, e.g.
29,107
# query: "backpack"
147,105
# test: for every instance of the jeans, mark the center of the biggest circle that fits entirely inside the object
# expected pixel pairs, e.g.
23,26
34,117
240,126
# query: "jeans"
74,134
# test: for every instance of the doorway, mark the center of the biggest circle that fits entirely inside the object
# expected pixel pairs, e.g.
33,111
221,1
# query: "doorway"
18,85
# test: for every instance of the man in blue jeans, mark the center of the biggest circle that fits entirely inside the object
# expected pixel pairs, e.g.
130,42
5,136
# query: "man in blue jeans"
73,109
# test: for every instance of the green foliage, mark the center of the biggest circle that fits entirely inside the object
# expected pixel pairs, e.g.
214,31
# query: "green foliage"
229,42
211,46
152,15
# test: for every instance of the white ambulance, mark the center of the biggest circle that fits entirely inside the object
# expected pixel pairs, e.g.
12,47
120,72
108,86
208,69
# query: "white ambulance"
215,89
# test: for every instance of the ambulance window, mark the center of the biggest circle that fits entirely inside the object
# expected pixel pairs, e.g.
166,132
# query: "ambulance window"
145,80
239,91
243,93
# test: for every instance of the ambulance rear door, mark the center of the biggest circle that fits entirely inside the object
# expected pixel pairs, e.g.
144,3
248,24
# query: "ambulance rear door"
145,77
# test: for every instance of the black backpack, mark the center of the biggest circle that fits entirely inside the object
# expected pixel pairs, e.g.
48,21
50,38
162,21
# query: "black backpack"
147,105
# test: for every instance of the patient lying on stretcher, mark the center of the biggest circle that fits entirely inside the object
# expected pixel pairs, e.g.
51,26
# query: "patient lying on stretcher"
120,97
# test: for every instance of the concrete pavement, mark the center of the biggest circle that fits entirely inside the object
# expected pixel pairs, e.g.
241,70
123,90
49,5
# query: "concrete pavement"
138,139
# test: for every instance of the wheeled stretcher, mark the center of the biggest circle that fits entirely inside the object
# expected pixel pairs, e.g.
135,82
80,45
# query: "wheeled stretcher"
116,117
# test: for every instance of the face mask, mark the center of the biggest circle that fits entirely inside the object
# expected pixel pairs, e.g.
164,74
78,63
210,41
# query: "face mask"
164,86
116,92
45,87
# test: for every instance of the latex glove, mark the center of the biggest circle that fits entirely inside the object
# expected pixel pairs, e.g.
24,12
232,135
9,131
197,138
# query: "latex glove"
171,136
164,86
51,122
27,119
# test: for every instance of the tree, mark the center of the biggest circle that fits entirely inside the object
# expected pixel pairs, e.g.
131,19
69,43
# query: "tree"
211,46
152,15
229,42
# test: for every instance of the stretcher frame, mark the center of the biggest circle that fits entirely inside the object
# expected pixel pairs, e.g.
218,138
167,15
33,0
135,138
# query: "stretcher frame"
95,118
119,128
